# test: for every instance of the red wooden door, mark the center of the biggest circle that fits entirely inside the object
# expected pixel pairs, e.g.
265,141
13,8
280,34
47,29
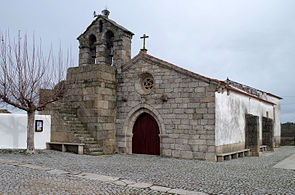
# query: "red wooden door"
146,138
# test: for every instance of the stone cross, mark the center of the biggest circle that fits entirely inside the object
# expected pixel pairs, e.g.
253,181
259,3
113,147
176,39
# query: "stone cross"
144,37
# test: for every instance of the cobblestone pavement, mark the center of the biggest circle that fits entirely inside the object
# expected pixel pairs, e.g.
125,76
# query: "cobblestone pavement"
16,180
249,175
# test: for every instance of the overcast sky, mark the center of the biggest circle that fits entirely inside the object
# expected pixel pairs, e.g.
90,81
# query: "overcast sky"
249,41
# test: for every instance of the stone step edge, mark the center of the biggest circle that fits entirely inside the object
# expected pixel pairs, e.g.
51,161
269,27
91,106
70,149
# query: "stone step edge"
82,134
103,178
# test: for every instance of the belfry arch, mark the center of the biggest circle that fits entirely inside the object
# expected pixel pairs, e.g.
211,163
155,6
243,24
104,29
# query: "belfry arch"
92,48
105,42
109,50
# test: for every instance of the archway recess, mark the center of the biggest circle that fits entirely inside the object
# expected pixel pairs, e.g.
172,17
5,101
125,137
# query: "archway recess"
146,139
131,118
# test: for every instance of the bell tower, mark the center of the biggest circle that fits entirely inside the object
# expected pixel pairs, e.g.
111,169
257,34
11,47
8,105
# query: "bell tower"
105,42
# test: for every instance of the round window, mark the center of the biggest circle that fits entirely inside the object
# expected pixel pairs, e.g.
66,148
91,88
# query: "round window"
148,84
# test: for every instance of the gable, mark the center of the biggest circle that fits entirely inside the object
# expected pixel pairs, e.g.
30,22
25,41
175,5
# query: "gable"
142,58
105,20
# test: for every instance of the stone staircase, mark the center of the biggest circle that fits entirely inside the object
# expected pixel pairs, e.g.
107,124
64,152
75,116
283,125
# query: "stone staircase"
74,126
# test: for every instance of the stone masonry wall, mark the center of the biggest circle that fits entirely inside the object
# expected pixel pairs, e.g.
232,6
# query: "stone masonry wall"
91,96
252,134
184,106
121,44
92,91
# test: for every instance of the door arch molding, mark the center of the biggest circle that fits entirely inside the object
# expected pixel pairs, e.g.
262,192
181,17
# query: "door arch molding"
130,121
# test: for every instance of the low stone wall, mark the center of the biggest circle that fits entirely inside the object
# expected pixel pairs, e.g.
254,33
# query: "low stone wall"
287,140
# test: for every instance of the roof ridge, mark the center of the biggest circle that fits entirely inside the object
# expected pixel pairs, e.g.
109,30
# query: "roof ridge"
183,69
252,88
110,21
247,94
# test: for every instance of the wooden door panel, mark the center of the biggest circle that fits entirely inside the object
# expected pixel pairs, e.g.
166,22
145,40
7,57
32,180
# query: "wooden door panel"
146,138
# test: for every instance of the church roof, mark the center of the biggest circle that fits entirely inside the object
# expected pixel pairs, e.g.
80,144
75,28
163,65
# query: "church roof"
173,67
229,85
110,21
250,90
249,95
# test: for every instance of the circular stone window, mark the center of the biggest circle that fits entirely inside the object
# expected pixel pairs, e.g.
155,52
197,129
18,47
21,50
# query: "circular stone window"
148,84
145,83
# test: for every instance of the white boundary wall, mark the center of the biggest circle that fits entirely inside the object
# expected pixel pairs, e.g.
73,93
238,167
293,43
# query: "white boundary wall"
230,116
13,131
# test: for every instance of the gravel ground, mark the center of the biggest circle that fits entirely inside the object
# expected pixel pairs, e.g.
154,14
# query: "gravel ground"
249,175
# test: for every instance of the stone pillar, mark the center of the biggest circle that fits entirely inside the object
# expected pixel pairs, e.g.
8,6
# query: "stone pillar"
268,133
84,52
122,52
84,55
252,134
100,54
104,109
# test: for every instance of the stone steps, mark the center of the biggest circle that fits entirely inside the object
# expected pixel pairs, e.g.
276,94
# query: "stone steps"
86,139
78,128
79,131
94,150
70,118
85,135
72,122
90,142
95,145
80,125
92,147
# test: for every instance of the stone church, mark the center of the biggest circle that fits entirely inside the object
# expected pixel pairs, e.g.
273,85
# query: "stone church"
117,104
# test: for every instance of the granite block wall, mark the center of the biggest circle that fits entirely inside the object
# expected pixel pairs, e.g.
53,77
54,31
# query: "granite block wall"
183,106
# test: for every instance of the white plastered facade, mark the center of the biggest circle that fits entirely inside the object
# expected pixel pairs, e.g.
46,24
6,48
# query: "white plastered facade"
231,108
13,131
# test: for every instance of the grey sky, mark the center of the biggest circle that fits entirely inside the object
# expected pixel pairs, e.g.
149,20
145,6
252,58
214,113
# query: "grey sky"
249,41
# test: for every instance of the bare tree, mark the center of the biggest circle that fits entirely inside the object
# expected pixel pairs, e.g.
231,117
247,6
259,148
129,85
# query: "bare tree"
24,70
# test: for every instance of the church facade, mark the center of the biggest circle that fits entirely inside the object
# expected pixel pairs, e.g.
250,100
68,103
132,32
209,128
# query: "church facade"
146,105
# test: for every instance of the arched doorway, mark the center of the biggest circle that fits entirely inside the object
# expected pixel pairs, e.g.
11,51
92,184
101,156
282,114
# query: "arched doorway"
146,138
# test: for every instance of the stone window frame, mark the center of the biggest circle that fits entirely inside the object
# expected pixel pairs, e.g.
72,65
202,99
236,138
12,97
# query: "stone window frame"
147,82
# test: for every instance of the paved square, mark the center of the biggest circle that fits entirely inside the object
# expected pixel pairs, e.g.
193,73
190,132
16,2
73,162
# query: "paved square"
249,175
288,163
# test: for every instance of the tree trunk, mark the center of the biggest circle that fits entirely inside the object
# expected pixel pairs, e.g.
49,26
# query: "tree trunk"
30,132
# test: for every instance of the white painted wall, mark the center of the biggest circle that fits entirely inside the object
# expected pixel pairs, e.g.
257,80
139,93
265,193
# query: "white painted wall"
277,114
230,116
13,131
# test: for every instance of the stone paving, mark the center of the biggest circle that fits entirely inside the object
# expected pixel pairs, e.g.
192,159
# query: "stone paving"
47,172
15,180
